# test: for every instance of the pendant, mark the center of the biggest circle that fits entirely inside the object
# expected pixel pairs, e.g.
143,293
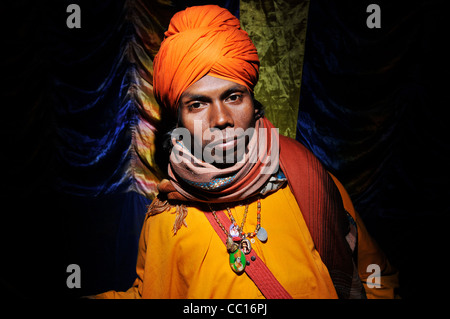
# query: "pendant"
262,234
245,246
231,245
237,261
234,233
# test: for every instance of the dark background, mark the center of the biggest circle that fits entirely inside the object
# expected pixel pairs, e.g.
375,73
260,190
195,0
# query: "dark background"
372,109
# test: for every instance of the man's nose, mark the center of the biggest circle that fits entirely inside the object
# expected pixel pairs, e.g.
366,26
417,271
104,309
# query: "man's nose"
220,116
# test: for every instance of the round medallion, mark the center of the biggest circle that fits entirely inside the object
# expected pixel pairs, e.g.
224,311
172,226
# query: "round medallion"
234,231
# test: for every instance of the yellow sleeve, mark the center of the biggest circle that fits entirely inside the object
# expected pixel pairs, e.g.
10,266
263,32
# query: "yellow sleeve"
370,257
135,292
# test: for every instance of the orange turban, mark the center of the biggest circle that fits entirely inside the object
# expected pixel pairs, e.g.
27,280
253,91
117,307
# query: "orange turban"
202,40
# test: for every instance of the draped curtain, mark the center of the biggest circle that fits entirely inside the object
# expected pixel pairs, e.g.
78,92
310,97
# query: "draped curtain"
79,122
373,110
371,102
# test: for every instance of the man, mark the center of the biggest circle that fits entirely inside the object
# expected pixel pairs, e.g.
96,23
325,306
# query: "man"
253,214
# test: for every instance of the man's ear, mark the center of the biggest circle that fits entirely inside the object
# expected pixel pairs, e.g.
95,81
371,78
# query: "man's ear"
259,109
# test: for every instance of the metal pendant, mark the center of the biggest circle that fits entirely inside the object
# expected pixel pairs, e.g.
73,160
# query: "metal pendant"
232,246
262,234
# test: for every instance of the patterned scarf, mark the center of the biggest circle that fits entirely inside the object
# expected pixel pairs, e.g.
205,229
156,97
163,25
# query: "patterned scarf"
199,181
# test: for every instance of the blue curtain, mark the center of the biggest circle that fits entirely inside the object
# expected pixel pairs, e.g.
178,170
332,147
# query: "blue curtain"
372,110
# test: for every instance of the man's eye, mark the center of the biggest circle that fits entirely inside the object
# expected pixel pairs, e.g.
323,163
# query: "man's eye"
195,105
234,97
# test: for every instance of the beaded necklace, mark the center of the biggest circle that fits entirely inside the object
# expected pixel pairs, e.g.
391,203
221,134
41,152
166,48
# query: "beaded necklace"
238,244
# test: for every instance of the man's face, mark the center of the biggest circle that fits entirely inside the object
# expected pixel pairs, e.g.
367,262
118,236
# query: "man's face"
216,113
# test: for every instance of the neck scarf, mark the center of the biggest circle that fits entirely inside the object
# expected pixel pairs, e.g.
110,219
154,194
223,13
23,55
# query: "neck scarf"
195,180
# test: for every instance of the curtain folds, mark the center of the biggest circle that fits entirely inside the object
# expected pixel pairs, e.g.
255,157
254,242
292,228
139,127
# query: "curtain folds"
278,29
370,103
104,104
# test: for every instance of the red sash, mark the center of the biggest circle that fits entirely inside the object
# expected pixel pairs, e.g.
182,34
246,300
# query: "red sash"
322,208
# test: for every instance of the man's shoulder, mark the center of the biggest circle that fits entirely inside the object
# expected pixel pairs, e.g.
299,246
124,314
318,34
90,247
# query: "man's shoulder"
291,149
300,166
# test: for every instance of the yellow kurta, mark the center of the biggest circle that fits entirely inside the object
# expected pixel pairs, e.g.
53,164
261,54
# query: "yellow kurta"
194,262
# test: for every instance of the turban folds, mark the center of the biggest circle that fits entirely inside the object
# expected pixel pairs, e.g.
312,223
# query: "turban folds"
202,40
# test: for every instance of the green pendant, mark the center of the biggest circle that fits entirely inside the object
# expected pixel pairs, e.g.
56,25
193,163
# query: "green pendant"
237,261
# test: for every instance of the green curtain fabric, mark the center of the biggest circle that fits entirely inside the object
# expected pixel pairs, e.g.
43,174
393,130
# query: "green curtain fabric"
278,30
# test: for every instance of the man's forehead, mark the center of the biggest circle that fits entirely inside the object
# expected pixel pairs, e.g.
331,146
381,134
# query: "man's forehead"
212,85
